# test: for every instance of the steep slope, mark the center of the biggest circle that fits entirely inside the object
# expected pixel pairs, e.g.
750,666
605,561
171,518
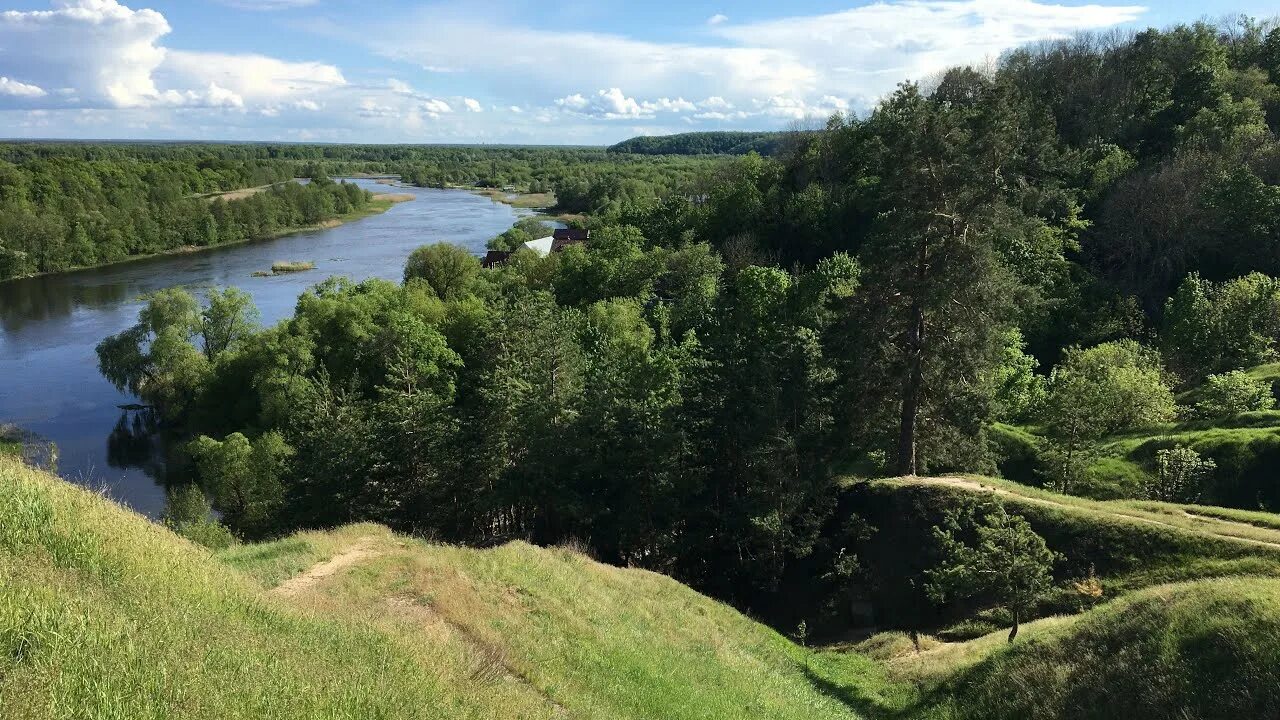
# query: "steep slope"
106,615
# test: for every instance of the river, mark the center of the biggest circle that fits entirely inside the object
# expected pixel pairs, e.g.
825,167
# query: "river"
49,326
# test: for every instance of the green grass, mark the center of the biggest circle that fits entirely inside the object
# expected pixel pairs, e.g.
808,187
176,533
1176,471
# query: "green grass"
106,615
288,266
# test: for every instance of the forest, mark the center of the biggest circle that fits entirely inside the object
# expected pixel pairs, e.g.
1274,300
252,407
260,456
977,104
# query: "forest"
60,212
1062,269
704,143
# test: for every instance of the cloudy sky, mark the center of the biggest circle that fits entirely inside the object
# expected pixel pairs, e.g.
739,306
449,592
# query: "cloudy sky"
568,71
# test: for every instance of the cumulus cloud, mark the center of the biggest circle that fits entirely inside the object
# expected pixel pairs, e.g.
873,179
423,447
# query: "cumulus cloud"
256,78
472,104
613,104
867,50
102,54
14,88
786,68
104,50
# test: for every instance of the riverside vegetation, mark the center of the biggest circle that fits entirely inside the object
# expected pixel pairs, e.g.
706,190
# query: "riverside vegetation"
1061,270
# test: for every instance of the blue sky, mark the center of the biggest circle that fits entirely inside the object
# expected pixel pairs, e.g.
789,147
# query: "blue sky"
498,70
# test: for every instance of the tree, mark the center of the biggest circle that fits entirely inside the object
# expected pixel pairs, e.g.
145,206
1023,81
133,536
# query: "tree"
1181,475
1110,387
228,319
1093,392
1215,327
155,359
244,477
448,269
988,551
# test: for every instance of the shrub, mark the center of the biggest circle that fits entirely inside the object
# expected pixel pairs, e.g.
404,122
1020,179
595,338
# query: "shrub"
1230,394
1181,475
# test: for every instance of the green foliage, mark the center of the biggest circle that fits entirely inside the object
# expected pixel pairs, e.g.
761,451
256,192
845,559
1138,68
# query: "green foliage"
69,206
1230,394
1217,327
447,269
702,143
244,477
187,512
1181,475
1106,389
987,551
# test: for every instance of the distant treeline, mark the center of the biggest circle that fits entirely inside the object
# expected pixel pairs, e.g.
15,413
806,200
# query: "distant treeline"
101,203
703,143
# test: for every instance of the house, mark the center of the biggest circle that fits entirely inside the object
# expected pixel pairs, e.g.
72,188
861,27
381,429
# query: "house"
564,237
554,243
494,258
542,246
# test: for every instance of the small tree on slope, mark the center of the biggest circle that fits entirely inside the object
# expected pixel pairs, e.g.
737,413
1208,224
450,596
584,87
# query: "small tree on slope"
987,551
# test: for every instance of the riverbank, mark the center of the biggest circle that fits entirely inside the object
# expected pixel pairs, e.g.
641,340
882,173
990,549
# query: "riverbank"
379,204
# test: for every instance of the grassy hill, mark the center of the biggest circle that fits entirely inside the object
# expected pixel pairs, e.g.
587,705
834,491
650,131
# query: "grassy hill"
104,614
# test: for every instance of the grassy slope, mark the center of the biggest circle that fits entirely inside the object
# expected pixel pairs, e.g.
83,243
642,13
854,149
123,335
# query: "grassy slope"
105,615
1190,626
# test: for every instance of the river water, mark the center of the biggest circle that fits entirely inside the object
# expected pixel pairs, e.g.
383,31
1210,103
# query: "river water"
49,326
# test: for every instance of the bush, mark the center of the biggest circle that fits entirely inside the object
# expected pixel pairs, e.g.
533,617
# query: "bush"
1181,475
1230,394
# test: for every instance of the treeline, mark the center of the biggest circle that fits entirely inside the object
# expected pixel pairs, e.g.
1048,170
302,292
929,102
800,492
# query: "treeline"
703,143
584,180
1003,249
58,212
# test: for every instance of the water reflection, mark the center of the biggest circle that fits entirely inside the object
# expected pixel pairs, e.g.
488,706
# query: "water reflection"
49,326
40,299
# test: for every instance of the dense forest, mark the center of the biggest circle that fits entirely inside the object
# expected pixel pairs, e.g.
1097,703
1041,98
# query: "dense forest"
704,143
65,205
1019,269
60,212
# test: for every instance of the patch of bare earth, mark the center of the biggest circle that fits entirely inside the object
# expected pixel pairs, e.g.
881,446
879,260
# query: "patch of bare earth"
318,572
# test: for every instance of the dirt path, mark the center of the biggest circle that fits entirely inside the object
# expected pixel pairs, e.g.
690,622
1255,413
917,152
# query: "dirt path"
305,580
1225,525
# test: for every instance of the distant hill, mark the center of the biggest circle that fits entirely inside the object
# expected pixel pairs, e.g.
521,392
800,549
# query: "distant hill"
702,143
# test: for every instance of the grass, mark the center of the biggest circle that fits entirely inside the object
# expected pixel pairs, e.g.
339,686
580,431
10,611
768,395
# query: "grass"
534,201
288,266
106,615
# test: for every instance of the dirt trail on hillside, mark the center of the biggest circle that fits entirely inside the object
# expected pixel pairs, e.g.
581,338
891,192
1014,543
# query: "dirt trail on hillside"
1225,525
307,579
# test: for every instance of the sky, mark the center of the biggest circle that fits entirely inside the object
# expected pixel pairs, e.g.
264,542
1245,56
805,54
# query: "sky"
499,71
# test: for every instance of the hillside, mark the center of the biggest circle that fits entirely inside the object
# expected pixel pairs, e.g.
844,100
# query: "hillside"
702,143
106,615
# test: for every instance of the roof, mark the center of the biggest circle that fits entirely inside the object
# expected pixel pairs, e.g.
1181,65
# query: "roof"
542,246
494,258
574,234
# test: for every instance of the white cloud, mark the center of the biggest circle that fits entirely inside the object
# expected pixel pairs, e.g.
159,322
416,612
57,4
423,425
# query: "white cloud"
19,89
256,78
399,87
715,102
268,4
106,51
864,52
717,19
669,105
472,104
